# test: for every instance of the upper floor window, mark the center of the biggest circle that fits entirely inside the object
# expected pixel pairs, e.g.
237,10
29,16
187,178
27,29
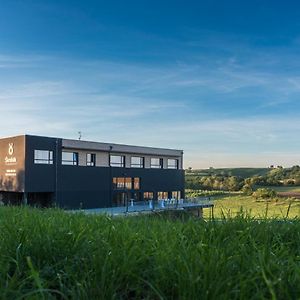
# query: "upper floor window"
117,161
69,158
43,157
137,162
156,163
91,159
172,163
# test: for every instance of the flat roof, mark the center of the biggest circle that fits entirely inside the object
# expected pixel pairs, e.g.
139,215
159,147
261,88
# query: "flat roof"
119,148
110,147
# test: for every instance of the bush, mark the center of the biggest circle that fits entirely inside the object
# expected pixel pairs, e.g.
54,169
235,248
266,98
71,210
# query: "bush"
247,189
264,193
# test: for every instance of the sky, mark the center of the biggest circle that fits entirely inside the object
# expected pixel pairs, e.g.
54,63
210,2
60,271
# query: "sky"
217,79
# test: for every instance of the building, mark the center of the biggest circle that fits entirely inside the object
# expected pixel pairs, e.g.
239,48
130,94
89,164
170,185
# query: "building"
80,174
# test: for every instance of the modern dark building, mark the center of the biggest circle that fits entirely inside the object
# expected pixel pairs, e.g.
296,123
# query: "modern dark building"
80,174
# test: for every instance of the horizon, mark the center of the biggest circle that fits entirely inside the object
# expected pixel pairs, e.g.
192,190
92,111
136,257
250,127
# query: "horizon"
220,80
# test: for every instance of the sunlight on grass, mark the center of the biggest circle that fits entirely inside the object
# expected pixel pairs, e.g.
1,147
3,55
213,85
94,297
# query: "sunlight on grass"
50,254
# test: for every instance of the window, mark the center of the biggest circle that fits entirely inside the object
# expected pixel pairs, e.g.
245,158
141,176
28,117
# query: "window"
176,195
136,183
162,195
43,157
137,162
126,183
69,158
117,161
121,183
91,159
156,163
172,163
148,195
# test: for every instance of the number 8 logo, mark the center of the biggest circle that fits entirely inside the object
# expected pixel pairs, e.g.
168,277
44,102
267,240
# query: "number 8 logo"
10,148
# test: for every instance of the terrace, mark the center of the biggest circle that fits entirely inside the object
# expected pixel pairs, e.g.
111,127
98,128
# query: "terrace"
132,207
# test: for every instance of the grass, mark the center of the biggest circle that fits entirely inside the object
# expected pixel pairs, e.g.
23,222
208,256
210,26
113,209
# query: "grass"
295,189
206,193
50,254
236,205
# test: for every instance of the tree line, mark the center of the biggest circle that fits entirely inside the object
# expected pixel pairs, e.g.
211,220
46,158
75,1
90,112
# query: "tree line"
275,177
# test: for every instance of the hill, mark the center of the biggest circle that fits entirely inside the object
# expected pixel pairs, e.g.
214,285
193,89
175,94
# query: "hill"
239,172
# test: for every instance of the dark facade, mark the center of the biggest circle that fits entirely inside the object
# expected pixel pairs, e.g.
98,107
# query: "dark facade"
46,171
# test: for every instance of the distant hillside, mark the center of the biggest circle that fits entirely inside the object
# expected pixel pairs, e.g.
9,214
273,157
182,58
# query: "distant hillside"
239,172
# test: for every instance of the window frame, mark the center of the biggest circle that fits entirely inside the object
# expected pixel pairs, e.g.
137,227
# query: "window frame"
92,162
43,161
140,165
171,166
73,162
116,164
155,166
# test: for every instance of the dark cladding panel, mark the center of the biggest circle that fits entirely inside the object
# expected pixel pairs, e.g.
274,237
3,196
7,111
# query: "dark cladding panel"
84,187
12,164
40,178
154,179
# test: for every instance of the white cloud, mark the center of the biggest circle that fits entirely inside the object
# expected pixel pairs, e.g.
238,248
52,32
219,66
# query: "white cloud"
138,104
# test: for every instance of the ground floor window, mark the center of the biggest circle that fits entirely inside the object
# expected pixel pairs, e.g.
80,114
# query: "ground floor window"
136,196
136,183
119,199
126,183
162,195
176,195
148,195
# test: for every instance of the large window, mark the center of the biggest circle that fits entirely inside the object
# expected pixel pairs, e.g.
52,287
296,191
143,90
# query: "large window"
91,159
156,163
136,183
148,195
117,161
43,157
176,194
172,163
162,195
126,183
69,158
137,162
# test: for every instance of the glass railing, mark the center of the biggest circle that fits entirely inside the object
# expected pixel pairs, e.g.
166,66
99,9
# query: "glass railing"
132,205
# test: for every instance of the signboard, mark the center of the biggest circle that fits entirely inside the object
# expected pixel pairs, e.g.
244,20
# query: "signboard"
12,164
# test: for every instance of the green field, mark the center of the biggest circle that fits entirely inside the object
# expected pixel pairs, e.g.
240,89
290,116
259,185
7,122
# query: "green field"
51,254
276,208
295,189
239,172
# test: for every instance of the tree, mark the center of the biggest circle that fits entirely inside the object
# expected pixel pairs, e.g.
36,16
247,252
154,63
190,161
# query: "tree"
264,194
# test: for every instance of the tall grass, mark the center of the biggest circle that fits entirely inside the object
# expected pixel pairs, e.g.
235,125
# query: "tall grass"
50,254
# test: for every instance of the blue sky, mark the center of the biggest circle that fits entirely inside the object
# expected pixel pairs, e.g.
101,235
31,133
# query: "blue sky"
219,79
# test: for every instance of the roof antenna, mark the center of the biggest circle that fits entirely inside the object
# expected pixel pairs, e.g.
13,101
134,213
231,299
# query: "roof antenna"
79,135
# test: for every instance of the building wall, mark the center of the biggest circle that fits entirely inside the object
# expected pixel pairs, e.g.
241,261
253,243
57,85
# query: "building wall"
12,164
41,178
90,187
102,158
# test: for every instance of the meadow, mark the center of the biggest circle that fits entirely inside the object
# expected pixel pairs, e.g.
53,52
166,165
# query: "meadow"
235,205
52,254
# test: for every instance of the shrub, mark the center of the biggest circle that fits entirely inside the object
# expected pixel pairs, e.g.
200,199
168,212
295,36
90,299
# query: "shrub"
264,193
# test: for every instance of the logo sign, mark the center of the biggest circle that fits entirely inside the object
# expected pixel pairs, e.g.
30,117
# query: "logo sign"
10,148
10,160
